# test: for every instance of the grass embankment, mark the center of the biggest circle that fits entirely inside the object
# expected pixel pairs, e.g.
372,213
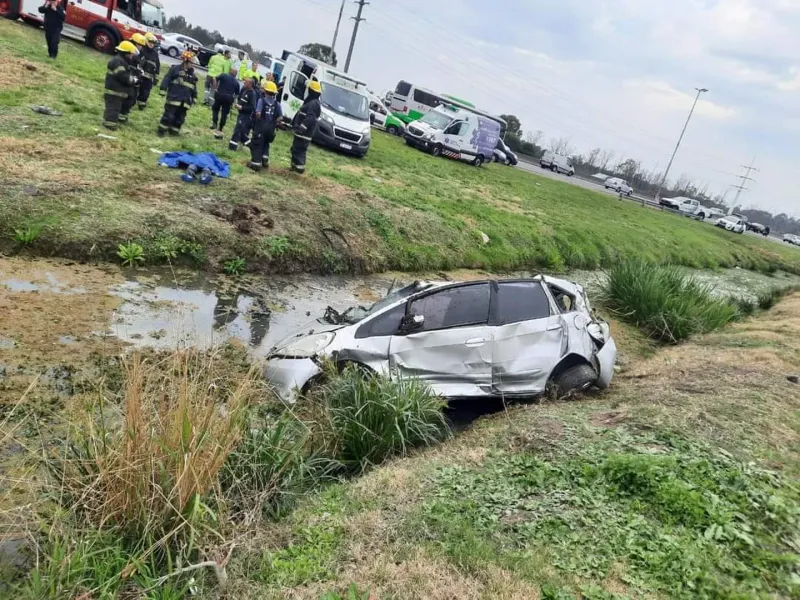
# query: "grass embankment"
82,196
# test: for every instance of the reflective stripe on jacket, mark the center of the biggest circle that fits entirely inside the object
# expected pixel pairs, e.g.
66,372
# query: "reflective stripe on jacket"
119,77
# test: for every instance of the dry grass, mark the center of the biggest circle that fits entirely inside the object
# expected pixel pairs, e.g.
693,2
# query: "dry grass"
147,476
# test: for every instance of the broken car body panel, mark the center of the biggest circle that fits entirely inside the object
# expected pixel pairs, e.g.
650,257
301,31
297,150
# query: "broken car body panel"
471,339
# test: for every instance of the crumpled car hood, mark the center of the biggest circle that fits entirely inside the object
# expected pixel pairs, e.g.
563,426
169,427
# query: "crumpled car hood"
311,328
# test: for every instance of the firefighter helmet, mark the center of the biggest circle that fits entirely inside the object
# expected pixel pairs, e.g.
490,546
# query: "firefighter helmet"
138,38
314,86
187,55
151,37
127,47
270,87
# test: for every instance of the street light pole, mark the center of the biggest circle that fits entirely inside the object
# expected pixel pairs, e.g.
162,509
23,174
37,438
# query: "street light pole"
678,145
336,31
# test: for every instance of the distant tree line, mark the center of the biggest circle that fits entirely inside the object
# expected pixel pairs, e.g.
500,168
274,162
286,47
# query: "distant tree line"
179,24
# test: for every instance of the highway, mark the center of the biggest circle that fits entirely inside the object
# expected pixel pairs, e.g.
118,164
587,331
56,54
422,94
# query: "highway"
598,187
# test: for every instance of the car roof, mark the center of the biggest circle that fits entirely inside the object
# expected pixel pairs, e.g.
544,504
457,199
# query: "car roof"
566,285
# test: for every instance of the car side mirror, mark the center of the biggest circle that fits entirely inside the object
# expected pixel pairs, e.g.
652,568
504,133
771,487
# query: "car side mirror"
411,323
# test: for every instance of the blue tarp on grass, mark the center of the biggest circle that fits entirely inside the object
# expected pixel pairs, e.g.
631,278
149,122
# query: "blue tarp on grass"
181,160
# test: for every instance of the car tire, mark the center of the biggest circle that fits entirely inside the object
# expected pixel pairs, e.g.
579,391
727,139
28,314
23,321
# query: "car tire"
437,150
478,161
393,130
173,52
554,168
7,11
574,380
630,194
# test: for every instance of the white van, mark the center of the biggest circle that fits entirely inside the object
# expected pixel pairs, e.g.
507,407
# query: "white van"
456,133
556,163
344,124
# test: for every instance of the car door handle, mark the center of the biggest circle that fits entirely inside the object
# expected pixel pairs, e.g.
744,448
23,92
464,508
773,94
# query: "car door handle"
475,342
554,327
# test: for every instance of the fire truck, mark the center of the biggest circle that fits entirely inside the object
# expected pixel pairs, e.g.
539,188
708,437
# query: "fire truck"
102,24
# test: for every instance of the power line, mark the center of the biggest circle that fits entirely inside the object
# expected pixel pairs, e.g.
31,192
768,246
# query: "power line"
357,19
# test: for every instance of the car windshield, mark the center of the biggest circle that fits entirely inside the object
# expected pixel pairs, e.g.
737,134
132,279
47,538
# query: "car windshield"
356,314
436,120
345,102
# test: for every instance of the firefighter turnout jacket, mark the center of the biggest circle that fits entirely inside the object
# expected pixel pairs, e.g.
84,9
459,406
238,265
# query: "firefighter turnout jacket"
304,124
180,85
150,63
120,77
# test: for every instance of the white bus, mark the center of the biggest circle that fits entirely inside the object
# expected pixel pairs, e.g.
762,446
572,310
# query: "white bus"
411,103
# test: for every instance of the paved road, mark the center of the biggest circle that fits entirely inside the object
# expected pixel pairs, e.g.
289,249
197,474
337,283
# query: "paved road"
598,187
168,60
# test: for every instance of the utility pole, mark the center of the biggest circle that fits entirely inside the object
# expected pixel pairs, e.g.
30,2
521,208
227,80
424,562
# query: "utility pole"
357,19
336,31
678,145
741,187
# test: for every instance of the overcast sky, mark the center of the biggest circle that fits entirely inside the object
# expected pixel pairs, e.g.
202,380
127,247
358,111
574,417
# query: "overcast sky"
618,74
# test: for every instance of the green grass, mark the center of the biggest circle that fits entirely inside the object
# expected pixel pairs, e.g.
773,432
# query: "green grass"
667,303
395,209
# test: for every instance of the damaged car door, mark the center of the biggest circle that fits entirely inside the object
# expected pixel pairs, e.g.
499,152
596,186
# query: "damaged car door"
445,341
529,338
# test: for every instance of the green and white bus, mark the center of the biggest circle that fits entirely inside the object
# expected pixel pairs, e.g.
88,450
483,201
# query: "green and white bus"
410,102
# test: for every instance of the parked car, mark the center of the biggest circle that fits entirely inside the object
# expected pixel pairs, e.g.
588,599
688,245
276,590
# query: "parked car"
757,228
505,155
473,339
556,163
619,186
173,44
790,238
735,223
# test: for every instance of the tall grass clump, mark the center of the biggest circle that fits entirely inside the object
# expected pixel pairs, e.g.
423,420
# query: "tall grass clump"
371,417
664,301
274,464
146,474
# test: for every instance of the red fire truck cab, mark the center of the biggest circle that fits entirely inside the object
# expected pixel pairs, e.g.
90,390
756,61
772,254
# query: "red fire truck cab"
100,23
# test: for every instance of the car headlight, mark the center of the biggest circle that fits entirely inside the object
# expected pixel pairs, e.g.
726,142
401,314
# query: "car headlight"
429,136
327,119
308,346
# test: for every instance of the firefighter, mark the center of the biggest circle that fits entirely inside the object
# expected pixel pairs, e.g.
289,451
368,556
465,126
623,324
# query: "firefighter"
54,15
227,88
151,66
268,112
180,87
139,42
246,105
304,125
120,79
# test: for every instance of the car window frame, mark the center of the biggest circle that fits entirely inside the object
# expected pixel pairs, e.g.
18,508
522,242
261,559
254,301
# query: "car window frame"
440,290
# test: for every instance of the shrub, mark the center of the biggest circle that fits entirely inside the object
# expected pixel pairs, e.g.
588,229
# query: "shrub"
372,418
146,479
131,254
745,305
768,299
235,266
26,236
664,301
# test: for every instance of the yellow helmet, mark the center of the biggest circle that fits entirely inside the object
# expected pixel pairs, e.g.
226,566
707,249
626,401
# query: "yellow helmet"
138,38
187,55
270,87
314,86
127,47
151,37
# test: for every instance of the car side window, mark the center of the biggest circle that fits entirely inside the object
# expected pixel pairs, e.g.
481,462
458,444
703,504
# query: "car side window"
297,84
463,129
453,307
383,325
518,301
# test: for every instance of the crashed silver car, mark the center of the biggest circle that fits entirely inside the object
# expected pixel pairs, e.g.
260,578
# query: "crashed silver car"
498,338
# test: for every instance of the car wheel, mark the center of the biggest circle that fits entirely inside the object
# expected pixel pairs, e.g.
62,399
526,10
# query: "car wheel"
574,380
630,193
393,130
7,11
554,168
478,161
103,40
173,52
437,150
